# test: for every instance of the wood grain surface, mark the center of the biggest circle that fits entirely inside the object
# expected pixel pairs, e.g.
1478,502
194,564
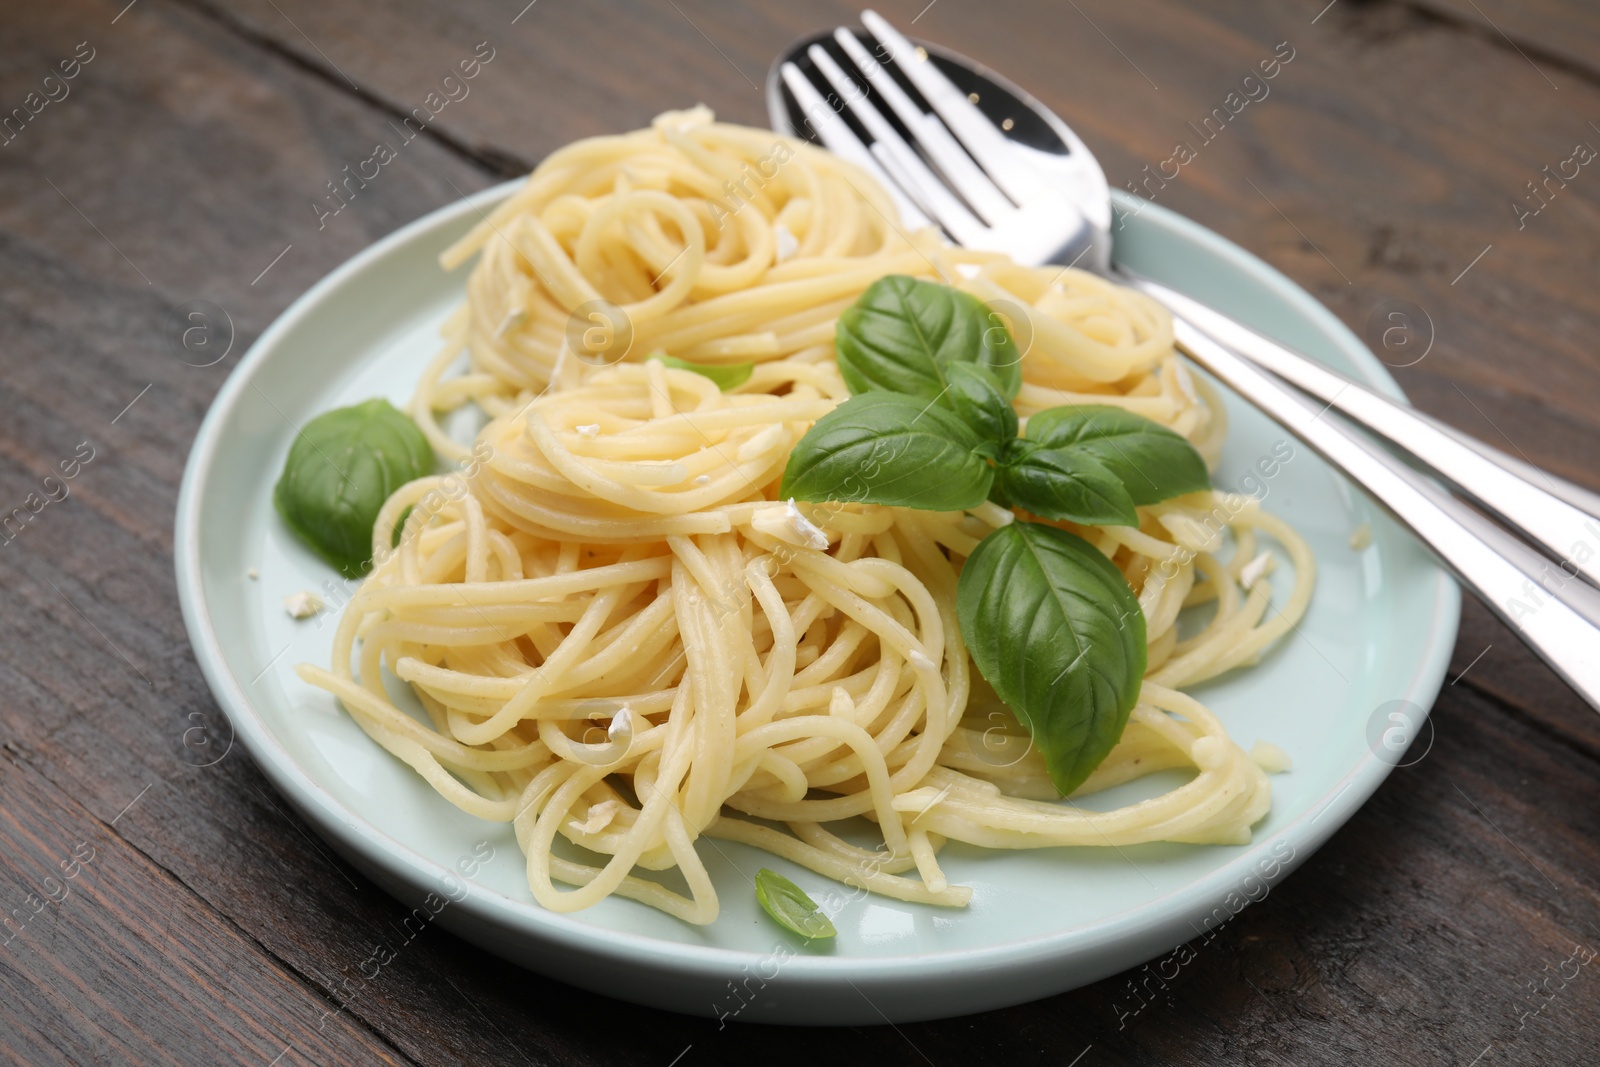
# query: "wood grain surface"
203,923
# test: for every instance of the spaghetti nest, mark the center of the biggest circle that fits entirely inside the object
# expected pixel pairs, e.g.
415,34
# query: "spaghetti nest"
622,641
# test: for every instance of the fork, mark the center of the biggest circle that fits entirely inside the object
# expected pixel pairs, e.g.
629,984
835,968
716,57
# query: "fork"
960,172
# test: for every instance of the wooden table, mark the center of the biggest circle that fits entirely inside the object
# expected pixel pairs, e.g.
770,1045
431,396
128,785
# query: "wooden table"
183,915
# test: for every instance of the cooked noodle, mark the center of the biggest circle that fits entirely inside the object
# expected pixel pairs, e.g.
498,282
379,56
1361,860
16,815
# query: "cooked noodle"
623,642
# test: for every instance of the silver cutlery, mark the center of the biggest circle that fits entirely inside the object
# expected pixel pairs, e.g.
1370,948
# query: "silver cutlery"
1028,186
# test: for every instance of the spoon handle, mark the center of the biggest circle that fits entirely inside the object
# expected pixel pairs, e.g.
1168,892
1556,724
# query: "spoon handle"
1561,518
1561,626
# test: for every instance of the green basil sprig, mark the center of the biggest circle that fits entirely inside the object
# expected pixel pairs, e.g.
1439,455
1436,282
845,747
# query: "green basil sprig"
1062,484
726,375
1054,627
788,904
1052,624
1151,461
880,448
340,470
973,393
903,333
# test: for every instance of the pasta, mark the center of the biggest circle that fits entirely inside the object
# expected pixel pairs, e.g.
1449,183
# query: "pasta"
623,642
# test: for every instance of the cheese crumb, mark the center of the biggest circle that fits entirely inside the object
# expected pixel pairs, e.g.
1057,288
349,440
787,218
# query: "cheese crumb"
600,817
702,479
787,524
1270,758
302,605
788,246
252,574
589,430
810,531
1361,536
1255,570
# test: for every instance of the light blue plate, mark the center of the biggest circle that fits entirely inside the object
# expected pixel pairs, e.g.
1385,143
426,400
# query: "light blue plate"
1380,628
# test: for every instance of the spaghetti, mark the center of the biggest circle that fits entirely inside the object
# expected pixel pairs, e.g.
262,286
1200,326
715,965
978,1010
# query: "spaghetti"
623,642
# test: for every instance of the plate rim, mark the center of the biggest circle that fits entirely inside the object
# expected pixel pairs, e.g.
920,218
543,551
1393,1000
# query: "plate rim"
378,850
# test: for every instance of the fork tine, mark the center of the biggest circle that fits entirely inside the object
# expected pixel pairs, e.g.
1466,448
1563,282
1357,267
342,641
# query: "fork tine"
987,201
897,157
843,142
986,143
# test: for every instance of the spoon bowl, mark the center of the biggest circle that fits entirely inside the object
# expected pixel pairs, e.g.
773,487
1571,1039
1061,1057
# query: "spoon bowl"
1037,133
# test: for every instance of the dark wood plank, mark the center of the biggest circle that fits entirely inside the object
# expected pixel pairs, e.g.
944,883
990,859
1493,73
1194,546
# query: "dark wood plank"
106,957
198,136
1561,39
219,147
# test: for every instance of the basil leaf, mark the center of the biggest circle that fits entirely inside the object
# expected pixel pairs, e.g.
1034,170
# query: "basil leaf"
1062,483
884,448
788,904
1054,627
1153,462
726,375
975,397
340,470
903,333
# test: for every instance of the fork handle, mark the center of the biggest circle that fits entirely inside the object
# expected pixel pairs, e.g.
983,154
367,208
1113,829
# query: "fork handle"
1363,405
1559,517
1562,635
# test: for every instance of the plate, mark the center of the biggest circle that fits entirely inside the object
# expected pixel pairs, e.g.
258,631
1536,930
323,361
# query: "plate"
1380,629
